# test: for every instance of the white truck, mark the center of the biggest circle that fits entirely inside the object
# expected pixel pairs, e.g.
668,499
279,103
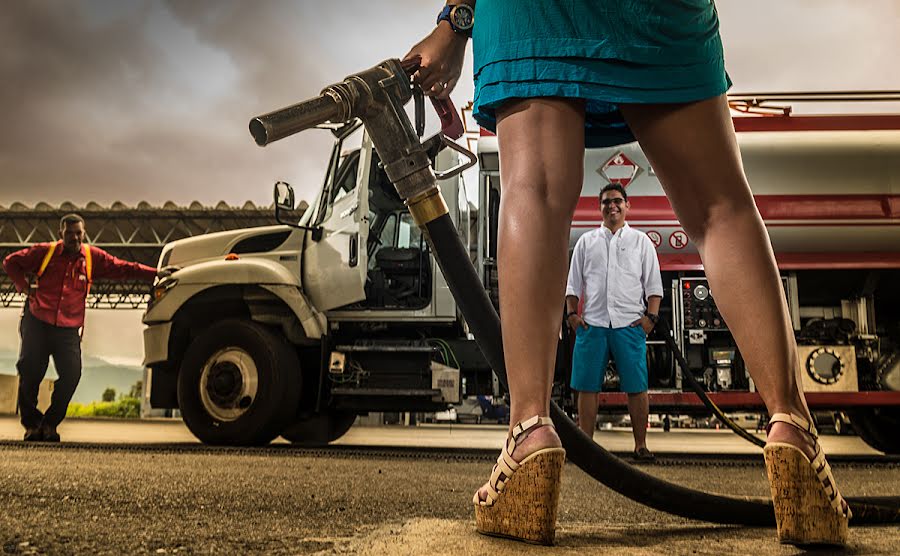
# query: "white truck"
296,329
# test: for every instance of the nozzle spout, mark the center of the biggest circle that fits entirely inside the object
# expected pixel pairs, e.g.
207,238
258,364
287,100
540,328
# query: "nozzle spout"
293,119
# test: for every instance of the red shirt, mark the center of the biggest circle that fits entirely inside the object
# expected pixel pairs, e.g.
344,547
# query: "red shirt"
62,289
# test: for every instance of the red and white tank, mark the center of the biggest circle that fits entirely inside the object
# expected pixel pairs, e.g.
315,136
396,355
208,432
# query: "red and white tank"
828,188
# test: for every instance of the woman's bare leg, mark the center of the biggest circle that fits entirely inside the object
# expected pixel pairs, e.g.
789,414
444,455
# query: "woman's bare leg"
693,149
542,165
541,145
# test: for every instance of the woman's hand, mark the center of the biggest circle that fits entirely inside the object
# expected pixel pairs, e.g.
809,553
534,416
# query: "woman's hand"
442,53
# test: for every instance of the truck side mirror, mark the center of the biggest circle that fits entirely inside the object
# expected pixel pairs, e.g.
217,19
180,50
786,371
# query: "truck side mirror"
284,196
284,201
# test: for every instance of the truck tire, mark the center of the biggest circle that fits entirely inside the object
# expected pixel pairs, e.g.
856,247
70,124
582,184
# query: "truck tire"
238,385
879,427
320,429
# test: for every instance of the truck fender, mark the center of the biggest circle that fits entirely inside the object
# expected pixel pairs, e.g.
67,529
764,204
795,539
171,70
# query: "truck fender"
197,278
266,274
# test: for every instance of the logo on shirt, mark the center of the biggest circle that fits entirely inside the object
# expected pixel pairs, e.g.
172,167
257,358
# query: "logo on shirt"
619,169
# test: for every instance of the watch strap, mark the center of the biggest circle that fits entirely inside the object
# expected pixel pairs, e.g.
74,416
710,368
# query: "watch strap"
445,14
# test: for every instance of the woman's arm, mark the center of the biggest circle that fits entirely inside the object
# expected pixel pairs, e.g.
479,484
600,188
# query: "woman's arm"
442,53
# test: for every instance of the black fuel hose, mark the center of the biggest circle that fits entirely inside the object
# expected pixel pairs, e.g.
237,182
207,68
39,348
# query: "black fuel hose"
695,385
581,450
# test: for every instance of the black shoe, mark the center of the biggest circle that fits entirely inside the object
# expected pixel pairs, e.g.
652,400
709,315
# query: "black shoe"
643,454
49,434
33,435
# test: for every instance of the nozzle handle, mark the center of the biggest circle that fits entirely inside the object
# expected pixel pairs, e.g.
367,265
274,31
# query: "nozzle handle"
451,123
293,119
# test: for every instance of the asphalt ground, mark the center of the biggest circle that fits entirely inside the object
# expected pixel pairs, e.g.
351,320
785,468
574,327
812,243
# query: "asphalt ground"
184,498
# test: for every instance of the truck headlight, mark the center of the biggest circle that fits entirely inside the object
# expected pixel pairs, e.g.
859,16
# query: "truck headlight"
160,290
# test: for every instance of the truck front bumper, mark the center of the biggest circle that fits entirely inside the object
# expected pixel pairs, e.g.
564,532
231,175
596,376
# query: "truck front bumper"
156,343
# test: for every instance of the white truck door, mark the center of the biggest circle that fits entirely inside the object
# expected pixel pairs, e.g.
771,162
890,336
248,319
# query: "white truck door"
335,267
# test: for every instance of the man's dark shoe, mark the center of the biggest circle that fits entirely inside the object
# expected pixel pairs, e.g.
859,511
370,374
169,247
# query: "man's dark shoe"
33,435
49,434
643,454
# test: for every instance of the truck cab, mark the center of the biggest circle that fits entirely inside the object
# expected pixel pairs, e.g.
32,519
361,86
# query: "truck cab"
295,329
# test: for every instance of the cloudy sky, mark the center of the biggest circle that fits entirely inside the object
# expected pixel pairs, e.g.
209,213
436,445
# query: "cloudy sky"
134,100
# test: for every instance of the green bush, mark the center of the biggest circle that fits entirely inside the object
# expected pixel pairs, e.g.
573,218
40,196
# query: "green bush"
124,408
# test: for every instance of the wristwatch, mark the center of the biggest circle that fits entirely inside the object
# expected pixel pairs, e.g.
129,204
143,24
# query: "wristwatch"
570,313
654,318
460,16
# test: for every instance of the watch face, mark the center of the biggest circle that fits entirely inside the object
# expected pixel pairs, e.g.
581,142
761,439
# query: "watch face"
463,17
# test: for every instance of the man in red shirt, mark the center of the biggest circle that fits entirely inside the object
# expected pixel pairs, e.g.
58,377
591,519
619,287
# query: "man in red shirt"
57,277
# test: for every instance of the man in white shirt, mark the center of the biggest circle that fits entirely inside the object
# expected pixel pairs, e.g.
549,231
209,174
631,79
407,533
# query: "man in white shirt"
615,271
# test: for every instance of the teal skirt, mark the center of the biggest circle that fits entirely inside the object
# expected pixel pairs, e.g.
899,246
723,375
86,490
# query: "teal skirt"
606,52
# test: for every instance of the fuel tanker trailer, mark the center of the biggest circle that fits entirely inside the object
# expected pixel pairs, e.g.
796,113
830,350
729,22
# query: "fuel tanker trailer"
828,189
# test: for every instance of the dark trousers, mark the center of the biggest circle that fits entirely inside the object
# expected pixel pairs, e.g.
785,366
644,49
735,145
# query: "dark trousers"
39,341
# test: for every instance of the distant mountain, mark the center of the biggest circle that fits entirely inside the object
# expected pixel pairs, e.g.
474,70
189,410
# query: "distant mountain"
96,376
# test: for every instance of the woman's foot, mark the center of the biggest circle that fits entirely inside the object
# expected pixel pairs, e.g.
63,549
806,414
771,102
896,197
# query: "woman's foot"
789,434
521,500
538,439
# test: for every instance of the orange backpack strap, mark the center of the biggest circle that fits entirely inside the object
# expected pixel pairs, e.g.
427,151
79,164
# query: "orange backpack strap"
89,270
50,251
88,263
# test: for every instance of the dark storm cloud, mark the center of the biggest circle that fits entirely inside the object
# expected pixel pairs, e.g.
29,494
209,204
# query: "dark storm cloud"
142,100
57,67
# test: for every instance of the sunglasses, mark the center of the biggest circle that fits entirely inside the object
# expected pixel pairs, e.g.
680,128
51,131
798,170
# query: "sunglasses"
616,200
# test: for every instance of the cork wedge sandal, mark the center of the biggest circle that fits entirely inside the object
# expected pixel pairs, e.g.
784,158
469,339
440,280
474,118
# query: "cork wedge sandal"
809,509
527,509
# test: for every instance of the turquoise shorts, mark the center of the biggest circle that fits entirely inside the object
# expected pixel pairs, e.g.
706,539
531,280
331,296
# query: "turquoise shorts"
593,347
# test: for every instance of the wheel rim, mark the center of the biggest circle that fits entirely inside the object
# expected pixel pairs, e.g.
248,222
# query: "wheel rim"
228,384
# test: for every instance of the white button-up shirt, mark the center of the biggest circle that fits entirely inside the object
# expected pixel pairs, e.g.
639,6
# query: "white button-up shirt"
614,274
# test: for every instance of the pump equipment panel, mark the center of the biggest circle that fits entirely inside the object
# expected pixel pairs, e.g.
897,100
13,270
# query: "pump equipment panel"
698,307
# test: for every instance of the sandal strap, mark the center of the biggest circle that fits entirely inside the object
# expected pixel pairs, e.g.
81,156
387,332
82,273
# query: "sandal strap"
794,420
525,426
506,465
823,472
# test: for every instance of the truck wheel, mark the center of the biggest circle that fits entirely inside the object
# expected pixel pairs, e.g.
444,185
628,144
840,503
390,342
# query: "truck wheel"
320,429
878,428
239,384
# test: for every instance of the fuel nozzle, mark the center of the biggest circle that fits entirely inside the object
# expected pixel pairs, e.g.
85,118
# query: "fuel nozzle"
357,96
376,96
